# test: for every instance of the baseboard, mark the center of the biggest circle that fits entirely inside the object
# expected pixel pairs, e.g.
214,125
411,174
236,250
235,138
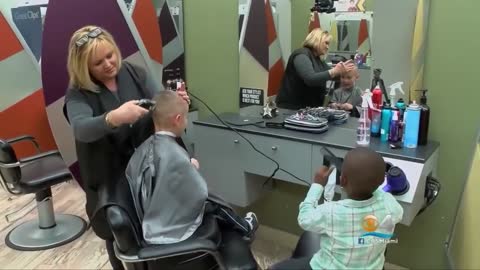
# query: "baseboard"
391,266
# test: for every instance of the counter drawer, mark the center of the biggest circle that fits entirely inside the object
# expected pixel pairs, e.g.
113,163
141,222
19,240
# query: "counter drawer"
294,157
219,152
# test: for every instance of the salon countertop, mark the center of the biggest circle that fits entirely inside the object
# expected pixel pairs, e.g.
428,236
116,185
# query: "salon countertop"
338,136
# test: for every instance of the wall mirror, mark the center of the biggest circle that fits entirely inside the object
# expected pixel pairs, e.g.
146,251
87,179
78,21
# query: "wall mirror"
351,34
264,47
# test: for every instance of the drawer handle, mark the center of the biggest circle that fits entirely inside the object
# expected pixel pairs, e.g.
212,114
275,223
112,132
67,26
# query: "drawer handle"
236,141
274,148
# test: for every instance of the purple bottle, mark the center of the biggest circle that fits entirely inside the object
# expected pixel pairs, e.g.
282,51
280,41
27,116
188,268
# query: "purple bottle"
394,127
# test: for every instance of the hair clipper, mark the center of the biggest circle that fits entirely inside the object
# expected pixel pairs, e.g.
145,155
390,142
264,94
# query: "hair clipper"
147,104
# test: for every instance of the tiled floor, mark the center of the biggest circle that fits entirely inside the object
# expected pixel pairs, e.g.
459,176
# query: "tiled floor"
268,251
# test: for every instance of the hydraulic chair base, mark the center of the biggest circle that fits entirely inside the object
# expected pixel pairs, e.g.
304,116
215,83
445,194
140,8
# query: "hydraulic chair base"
30,237
48,231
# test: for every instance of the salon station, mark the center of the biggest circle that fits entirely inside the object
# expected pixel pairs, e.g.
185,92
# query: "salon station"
292,143
287,101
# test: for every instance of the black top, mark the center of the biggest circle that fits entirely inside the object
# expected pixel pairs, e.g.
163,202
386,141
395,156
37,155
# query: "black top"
103,153
304,81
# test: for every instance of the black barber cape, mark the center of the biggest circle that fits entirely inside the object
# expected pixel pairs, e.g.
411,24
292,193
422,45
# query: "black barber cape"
168,191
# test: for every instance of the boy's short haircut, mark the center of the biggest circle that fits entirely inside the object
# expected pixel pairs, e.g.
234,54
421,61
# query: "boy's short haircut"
354,72
167,104
364,169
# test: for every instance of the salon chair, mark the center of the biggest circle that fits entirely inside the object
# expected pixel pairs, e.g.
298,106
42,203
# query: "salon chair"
209,248
37,174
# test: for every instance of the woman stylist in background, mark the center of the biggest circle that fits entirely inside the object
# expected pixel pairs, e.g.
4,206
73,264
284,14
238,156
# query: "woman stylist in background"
107,124
306,75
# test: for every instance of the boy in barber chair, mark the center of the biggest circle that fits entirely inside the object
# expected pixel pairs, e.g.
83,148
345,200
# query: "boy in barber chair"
348,96
170,195
341,225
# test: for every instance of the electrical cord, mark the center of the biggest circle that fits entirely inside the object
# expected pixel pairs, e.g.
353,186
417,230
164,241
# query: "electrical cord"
7,216
432,190
250,143
14,212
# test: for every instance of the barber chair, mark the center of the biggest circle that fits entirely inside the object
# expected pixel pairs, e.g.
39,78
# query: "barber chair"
208,248
37,174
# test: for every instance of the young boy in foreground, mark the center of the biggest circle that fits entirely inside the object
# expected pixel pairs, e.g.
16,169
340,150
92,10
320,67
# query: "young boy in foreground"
342,225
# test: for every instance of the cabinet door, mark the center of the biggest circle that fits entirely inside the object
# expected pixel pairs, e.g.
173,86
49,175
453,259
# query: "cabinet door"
294,157
318,156
221,154
318,159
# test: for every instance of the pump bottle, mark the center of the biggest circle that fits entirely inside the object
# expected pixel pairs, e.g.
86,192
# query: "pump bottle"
424,119
401,118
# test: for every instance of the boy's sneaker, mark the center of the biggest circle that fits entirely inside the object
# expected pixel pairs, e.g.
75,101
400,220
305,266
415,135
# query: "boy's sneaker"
252,221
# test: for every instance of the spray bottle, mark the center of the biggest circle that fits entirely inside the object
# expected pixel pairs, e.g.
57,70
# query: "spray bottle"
368,96
393,92
363,130
394,133
377,98
401,107
377,81
376,112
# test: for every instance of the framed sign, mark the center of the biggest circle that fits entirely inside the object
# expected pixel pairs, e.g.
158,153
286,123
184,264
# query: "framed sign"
251,96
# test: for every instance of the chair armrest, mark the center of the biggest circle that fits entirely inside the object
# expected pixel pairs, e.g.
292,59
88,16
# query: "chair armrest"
9,165
39,156
188,246
23,138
